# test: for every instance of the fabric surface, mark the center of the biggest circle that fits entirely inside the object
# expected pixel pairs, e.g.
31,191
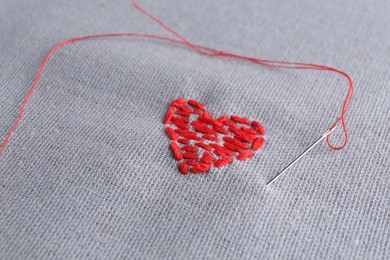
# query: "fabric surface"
89,174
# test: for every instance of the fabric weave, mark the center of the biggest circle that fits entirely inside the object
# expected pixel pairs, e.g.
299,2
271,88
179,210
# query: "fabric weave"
89,175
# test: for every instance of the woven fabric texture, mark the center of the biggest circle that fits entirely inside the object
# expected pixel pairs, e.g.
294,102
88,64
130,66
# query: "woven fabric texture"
89,174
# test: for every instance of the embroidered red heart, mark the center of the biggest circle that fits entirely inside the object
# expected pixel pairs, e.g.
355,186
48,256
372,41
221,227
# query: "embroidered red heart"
198,141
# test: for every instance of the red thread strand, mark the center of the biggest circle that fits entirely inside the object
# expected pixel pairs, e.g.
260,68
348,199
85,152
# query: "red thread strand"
176,151
171,133
207,158
222,119
190,148
197,111
245,138
181,125
211,137
220,130
248,130
210,121
192,162
222,162
201,127
183,168
203,50
245,155
237,131
188,134
199,168
182,113
273,64
190,156
221,153
241,141
221,149
196,104
230,123
177,101
240,120
259,127
258,143
206,114
233,147
183,107
236,142
182,120
169,116
204,146
184,141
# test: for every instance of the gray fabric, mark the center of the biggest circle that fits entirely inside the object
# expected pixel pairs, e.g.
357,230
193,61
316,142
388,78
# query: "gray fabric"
88,173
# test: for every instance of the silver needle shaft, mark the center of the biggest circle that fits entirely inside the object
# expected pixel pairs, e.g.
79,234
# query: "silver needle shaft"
302,154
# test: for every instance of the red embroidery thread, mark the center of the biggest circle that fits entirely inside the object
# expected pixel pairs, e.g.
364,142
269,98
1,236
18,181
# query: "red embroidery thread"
203,50
198,141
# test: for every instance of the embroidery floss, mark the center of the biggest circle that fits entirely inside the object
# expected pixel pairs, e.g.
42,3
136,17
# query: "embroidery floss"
221,126
237,137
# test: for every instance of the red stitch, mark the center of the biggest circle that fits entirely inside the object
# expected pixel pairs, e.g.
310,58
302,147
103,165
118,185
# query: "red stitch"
210,121
196,103
176,151
181,125
188,134
211,137
259,127
203,50
205,120
223,162
222,119
245,138
237,138
221,149
198,124
204,129
182,113
207,158
236,142
220,130
171,133
249,131
206,114
258,143
192,162
169,116
244,155
237,131
190,156
204,146
229,123
177,101
197,111
190,148
184,141
219,152
233,147
217,53
199,168
183,168
184,108
240,120
183,120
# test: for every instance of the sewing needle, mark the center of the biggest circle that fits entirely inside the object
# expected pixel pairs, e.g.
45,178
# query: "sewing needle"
300,156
